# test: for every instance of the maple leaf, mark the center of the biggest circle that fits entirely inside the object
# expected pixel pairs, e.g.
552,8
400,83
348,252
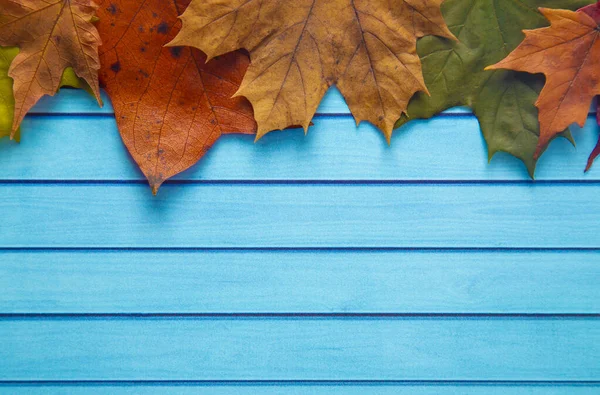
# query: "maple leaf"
7,100
568,54
52,35
502,100
300,48
171,106
596,152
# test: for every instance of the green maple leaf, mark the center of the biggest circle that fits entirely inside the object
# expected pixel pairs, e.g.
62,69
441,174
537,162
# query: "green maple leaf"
7,100
502,100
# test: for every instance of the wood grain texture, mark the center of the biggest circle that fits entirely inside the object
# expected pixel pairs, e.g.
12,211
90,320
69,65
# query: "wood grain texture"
70,184
249,215
300,349
445,148
301,389
339,282
73,101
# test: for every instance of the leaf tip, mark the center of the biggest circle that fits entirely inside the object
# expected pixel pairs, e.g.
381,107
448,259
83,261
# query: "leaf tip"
15,133
449,35
305,127
259,135
174,42
595,153
155,183
388,137
531,169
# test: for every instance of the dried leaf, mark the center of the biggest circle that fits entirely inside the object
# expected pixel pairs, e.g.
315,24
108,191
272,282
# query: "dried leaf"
502,100
171,106
300,48
7,100
568,54
52,35
596,152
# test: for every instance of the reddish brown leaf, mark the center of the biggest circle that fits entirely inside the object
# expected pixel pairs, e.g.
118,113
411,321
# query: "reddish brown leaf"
596,150
170,105
593,10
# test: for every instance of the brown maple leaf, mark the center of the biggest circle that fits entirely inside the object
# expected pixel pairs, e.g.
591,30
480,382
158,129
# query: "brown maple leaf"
52,35
568,54
171,106
299,48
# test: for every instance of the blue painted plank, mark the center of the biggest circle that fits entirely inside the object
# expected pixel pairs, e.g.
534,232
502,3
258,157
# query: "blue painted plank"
300,349
460,348
302,389
445,148
448,148
263,215
72,101
97,282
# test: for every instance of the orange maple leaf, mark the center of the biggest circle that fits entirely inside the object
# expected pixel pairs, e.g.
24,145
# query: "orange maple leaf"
568,54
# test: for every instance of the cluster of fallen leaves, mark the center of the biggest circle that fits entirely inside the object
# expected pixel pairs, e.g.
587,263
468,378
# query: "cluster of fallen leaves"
178,84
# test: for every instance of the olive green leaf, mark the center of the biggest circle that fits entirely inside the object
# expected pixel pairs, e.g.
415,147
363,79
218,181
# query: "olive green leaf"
7,100
502,100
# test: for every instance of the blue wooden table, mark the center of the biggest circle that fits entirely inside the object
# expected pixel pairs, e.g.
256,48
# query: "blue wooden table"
324,264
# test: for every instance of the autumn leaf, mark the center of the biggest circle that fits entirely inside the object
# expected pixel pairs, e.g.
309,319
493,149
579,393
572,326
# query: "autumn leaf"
568,54
7,100
52,35
300,48
596,152
502,100
171,106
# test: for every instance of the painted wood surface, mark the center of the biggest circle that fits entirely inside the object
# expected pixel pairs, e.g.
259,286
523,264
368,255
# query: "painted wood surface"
304,348
330,388
324,264
301,215
301,282
449,147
